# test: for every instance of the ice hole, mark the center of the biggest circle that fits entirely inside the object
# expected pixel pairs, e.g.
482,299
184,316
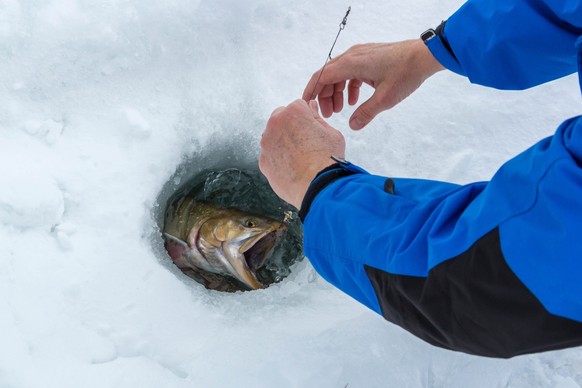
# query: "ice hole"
224,178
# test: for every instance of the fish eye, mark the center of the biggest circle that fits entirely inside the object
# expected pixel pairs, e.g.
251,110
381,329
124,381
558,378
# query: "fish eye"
250,224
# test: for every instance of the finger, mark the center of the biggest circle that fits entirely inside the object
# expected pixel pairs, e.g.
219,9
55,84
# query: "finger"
309,93
326,101
366,112
310,107
314,107
338,96
338,70
354,91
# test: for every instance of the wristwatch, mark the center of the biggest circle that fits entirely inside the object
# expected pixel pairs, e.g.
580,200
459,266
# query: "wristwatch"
428,35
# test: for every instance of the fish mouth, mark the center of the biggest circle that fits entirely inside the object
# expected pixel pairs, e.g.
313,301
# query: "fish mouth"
256,251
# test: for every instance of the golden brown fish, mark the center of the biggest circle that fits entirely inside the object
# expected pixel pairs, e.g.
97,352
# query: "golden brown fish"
204,239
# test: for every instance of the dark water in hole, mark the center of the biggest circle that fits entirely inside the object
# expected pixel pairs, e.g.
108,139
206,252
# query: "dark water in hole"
233,181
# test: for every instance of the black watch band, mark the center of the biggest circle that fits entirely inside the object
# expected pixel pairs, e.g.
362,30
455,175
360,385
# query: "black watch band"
428,35
439,31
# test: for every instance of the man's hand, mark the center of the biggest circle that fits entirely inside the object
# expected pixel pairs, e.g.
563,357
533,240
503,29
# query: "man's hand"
395,70
296,145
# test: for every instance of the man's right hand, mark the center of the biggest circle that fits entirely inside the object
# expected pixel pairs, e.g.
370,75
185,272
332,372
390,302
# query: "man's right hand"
394,70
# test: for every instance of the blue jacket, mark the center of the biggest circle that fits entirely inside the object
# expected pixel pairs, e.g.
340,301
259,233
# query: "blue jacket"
490,268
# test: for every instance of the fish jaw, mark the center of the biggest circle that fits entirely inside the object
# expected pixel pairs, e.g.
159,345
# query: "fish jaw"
203,238
242,272
238,260
258,249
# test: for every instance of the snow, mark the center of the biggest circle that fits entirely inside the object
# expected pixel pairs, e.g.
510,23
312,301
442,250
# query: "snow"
101,101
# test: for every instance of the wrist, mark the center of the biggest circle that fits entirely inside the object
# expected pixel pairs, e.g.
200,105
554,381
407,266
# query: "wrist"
307,178
338,170
322,179
423,58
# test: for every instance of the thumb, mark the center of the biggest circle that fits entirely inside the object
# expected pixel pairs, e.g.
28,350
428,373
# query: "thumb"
366,113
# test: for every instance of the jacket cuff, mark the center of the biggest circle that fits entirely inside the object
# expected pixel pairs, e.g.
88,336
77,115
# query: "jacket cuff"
438,48
323,179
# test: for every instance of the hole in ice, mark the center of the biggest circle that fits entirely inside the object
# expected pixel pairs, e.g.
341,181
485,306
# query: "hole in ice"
223,226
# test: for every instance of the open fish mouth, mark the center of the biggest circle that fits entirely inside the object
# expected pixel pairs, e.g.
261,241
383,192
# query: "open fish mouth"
258,251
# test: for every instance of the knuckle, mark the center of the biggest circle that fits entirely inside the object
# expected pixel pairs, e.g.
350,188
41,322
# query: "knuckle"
277,111
350,60
339,87
276,116
314,77
388,100
262,163
366,113
271,123
297,103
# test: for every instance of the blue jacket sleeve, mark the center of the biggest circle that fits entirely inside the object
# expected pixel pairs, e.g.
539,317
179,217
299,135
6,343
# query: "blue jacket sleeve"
490,268
511,44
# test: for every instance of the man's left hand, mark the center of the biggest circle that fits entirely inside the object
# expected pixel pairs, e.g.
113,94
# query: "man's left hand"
296,144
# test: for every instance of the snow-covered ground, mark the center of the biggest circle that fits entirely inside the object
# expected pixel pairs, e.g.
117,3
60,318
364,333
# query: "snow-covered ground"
101,101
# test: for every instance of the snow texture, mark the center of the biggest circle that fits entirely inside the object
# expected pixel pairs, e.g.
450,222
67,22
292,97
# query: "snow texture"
101,101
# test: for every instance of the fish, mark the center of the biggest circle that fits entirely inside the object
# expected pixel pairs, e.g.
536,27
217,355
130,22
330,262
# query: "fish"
205,239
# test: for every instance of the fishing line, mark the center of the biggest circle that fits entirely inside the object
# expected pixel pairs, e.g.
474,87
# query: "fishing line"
328,58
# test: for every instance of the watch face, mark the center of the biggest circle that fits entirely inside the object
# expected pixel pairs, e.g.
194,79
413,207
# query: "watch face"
428,35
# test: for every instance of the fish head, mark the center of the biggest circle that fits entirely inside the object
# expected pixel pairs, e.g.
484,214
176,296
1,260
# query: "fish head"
243,241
